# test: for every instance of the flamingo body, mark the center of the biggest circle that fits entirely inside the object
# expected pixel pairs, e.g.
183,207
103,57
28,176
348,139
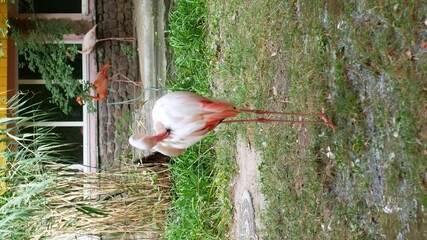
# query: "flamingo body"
180,120
100,83
89,41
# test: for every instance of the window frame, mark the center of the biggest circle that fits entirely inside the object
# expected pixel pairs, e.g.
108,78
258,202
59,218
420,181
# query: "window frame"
89,163
90,131
88,8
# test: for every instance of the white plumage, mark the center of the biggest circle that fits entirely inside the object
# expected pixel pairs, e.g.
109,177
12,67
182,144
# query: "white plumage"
181,119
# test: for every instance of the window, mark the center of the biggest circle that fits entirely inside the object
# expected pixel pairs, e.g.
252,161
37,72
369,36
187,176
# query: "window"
72,136
49,7
46,6
72,128
78,123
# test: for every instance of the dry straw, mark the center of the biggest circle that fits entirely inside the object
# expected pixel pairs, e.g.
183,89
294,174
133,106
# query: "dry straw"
132,201
46,199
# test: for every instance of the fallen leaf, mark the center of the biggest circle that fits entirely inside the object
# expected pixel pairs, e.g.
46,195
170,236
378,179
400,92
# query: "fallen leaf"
274,91
408,55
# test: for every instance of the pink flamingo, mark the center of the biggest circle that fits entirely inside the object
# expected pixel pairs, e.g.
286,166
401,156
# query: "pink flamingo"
89,40
100,83
181,119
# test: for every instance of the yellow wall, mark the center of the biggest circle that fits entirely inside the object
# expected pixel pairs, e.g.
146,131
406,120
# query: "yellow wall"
3,85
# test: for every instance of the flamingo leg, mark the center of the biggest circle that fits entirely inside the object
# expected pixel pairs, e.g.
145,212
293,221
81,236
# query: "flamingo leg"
321,114
256,111
101,97
127,80
265,120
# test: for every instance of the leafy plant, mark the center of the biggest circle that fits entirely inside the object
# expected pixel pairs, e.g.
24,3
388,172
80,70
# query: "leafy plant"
130,51
46,54
191,57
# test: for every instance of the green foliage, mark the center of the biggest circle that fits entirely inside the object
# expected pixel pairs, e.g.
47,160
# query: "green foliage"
187,35
47,54
30,151
193,190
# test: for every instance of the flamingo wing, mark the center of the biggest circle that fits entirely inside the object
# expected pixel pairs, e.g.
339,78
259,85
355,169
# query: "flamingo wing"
182,113
184,132
189,116
168,150
176,106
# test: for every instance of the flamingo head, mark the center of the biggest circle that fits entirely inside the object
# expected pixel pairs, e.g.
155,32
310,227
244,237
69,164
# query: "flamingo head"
142,141
79,100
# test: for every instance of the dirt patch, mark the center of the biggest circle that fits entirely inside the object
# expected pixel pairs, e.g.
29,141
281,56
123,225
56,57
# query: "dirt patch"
248,200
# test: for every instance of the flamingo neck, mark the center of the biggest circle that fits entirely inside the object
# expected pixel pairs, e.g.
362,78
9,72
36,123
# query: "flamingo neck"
161,136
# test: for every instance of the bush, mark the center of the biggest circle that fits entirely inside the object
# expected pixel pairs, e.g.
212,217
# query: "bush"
46,53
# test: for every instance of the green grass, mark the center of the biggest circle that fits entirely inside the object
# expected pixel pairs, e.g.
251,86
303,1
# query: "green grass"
352,59
25,177
201,206
186,39
360,60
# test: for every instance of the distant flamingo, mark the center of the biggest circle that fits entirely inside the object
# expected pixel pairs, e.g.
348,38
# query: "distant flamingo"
100,83
181,119
89,40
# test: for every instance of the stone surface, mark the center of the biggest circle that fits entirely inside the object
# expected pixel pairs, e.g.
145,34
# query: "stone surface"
115,19
246,228
145,20
150,18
